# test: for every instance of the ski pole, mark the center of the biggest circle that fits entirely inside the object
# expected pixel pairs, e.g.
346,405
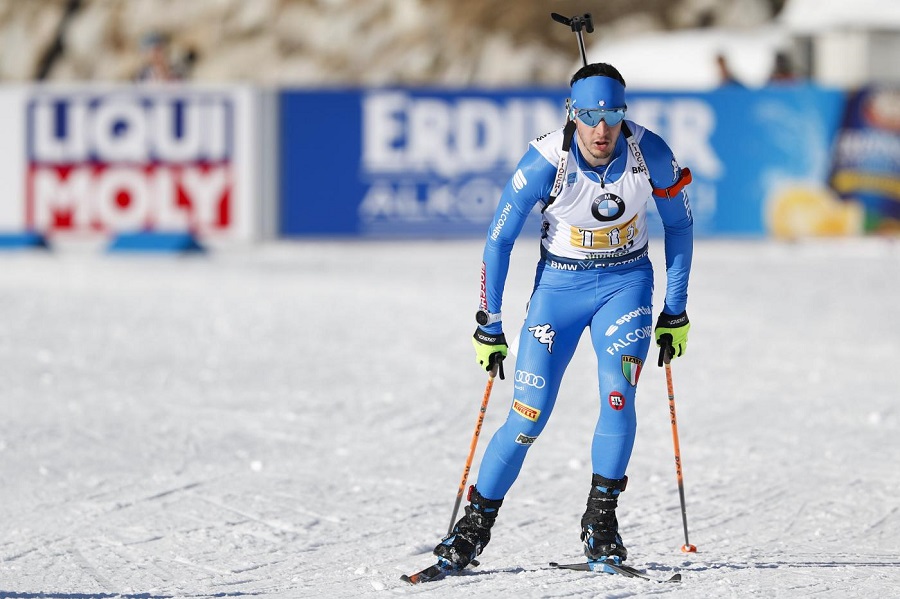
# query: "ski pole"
667,357
478,423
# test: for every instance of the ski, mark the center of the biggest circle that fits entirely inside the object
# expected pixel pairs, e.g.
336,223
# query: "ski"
611,567
430,573
437,571
433,572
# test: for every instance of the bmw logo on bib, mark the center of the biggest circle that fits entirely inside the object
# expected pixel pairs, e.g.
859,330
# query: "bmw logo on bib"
607,207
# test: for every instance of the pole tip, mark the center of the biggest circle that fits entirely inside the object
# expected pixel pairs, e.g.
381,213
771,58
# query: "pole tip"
688,549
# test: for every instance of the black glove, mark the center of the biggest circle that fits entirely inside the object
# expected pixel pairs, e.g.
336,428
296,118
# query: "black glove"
671,336
490,350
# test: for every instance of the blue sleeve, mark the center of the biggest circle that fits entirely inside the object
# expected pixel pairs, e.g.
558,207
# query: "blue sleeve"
678,223
530,184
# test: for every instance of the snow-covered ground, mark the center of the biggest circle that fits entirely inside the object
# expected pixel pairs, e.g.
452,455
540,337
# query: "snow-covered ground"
292,420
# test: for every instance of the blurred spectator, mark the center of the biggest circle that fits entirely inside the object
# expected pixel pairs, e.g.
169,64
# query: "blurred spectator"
726,77
157,62
188,61
783,71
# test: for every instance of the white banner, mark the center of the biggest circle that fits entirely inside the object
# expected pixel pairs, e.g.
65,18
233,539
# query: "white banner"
86,161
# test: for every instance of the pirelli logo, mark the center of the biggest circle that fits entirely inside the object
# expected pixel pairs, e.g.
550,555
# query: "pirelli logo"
526,411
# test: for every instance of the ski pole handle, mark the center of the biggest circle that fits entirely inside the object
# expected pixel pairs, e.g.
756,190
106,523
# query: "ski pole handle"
666,350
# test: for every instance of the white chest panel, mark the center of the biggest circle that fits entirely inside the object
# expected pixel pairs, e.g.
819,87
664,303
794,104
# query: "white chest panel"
589,220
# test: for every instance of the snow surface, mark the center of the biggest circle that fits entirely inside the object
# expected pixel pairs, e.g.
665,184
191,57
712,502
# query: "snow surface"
292,420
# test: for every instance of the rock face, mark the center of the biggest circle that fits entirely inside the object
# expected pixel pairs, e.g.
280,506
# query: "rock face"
333,42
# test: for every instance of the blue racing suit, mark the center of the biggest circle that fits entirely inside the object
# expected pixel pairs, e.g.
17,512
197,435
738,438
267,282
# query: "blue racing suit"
595,273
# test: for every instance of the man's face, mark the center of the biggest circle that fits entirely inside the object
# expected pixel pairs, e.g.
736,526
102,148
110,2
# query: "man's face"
597,143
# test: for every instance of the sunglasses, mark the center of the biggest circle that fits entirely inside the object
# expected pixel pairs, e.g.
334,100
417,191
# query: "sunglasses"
592,116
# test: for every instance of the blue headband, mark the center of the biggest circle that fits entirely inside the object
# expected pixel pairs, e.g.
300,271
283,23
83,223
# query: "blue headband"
598,91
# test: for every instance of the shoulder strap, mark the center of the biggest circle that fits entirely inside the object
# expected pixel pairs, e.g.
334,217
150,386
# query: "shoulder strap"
568,134
661,192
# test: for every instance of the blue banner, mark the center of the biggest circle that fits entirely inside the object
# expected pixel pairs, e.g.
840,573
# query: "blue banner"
432,163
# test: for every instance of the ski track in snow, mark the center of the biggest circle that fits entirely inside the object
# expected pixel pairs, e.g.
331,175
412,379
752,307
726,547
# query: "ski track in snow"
292,419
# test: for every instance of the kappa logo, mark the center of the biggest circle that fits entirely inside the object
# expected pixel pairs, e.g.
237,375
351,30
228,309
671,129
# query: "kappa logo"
631,368
526,411
676,170
519,181
544,334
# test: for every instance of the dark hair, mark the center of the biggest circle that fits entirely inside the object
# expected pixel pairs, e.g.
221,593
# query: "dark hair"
595,69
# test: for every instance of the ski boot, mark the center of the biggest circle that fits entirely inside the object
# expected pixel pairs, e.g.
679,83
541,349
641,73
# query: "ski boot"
470,534
599,526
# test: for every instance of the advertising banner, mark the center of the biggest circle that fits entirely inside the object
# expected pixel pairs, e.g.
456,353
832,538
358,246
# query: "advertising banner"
93,161
425,163
403,162
866,167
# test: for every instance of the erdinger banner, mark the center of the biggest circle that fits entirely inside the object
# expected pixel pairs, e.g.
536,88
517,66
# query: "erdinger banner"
136,158
433,163
388,162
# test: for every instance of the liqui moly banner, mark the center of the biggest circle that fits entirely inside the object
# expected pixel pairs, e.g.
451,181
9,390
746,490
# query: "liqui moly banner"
140,158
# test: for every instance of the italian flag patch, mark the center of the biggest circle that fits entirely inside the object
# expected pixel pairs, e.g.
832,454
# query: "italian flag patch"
631,368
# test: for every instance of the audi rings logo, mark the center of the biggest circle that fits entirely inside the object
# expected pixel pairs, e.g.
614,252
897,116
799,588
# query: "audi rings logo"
530,379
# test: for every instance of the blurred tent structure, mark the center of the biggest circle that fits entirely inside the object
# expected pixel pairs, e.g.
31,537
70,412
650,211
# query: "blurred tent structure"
846,44
831,42
686,60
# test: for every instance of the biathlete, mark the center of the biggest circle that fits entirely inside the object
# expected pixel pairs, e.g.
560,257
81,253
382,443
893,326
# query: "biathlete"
594,273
